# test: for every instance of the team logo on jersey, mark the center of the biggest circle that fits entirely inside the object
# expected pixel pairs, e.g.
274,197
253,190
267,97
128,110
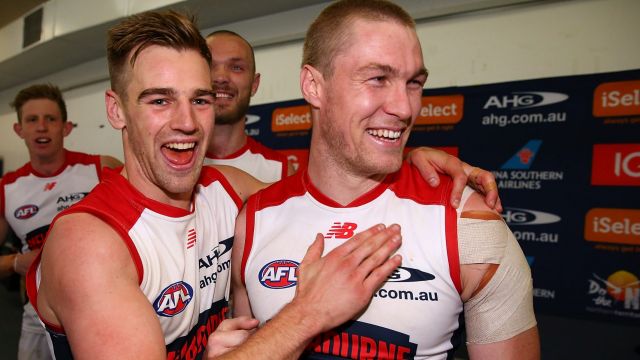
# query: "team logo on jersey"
25,211
405,274
173,299
191,238
279,274
340,230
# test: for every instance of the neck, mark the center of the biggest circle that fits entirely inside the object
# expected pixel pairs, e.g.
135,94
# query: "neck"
341,185
227,139
151,191
48,165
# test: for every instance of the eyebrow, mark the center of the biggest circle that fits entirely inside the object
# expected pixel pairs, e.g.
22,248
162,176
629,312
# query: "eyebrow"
170,92
387,69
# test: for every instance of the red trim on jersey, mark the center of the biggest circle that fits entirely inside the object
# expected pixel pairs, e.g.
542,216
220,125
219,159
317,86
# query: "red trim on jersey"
254,147
451,233
361,200
32,294
250,215
210,174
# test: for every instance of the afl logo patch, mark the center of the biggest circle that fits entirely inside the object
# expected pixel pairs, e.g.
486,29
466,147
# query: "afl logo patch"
173,299
25,211
279,274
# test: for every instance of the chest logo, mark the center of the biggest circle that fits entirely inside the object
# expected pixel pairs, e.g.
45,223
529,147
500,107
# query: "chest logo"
173,299
340,230
50,186
279,274
25,211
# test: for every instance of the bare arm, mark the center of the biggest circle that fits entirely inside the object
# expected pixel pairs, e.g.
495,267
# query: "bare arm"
6,261
496,289
109,161
89,286
431,161
244,184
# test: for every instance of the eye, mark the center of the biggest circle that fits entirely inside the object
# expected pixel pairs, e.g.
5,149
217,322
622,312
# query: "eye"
202,101
417,83
237,68
159,102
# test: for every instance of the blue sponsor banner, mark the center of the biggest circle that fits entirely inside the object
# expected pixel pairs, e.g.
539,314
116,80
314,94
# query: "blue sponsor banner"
566,155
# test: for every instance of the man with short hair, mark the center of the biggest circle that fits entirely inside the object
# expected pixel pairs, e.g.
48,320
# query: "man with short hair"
363,75
235,80
30,197
140,268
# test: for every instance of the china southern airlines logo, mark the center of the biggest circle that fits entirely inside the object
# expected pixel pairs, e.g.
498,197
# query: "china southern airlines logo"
341,230
523,159
525,100
516,216
173,299
405,274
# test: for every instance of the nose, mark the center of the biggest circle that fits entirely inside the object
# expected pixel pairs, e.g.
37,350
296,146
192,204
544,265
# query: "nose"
399,102
219,74
41,124
184,119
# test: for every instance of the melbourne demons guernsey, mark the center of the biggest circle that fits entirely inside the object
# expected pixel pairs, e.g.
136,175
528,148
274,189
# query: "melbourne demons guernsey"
30,201
182,257
259,161
416,314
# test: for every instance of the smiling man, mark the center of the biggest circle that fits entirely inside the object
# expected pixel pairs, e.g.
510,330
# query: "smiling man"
30,197
140,268
363,74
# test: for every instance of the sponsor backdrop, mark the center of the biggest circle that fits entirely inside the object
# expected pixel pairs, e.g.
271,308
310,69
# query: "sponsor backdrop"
566,155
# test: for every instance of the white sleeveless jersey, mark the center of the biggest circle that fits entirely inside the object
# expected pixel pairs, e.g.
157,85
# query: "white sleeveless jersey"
183,257
31,200
415,314
259,161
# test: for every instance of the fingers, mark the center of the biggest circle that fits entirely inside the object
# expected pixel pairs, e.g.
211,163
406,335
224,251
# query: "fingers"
350,245
376,250
230,334
420,158
459,182
378,276
314,252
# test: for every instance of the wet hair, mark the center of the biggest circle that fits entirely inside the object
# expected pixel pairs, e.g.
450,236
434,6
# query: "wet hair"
135,33
329,34
39,91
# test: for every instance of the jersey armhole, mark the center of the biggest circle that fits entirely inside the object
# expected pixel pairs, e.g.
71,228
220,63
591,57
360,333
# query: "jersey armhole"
250,212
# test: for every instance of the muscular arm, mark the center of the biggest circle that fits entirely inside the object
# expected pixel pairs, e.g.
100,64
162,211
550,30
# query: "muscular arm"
496,288
89,286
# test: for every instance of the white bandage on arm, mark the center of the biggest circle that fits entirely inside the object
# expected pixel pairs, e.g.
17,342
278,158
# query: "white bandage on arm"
504,307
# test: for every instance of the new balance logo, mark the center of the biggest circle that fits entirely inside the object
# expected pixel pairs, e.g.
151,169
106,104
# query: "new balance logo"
341,230
49,186
191,238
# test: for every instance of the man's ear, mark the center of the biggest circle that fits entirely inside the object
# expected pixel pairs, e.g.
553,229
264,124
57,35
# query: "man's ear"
68,126
115,113
255,84
311,85
17,128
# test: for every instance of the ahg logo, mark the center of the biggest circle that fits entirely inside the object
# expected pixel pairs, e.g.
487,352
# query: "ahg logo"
525,100
616,164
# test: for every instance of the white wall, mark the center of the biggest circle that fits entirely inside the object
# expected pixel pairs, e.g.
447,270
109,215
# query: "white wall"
521,42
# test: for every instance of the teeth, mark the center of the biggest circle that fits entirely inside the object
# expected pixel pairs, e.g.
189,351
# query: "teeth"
223,95
385,133
181,146
42,140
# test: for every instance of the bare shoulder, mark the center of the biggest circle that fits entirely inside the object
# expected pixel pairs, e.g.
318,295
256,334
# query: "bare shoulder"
109,161
244,184
81,254
476,208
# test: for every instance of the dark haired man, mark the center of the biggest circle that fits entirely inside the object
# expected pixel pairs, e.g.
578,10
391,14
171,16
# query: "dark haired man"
30,197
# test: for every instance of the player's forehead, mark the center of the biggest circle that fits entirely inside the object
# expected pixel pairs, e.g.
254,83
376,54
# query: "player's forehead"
229,46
